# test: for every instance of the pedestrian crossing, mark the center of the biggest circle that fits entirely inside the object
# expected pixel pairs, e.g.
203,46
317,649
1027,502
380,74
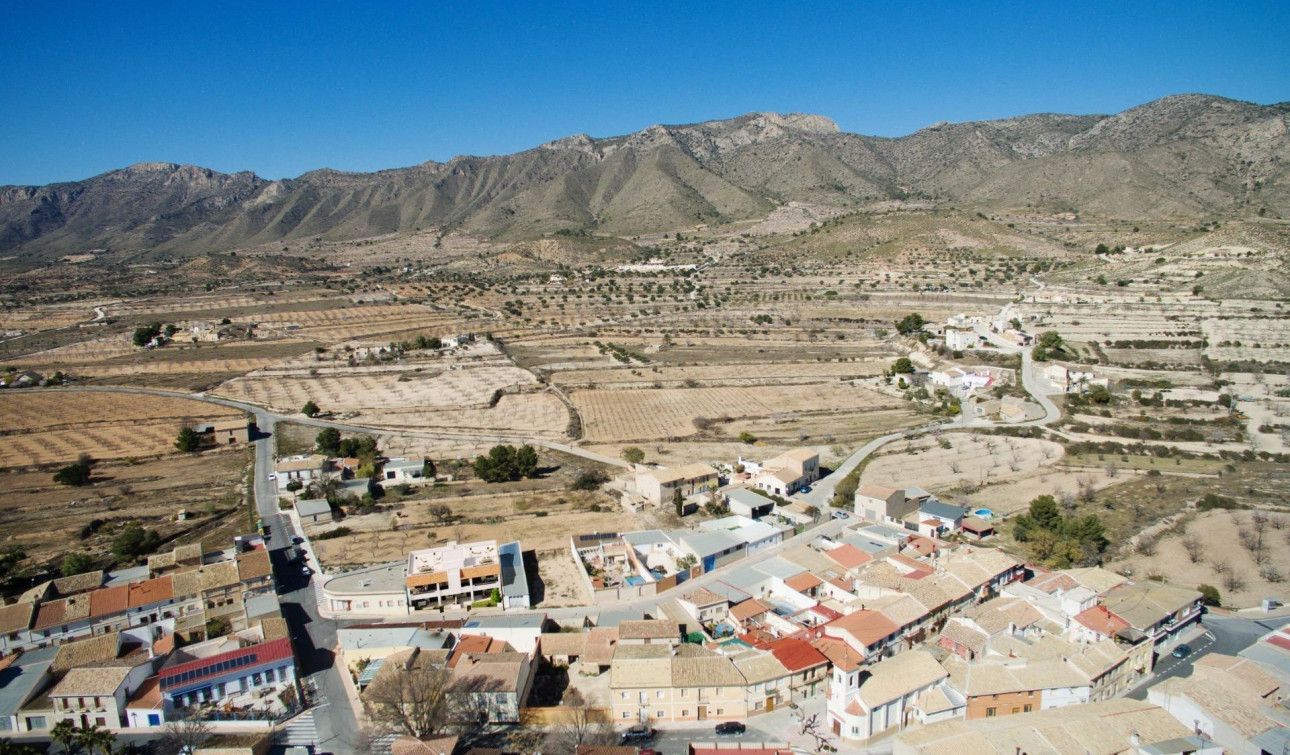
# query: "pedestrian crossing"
299,731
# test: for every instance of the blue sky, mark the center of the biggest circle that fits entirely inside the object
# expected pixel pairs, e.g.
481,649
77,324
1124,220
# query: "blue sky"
284,87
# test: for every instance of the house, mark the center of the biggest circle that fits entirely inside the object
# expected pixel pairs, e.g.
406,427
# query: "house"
314,511
657,683
867,633
302,469
1123,726
231,668
15,625
231,431
495,684
648,632
1155,611
747,503
453,574
960,339
942,517
22,676
91,695
369,643
1070,380
1230,700
521,631
659,486
755,535
403,472
867,701
976,528
563,647
789,472
808,668
704,605
878,503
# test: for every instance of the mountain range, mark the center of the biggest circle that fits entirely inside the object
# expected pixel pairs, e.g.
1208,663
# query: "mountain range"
1184,157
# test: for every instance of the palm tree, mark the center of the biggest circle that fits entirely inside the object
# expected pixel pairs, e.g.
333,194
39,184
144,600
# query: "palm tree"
104,738
88,738
64,733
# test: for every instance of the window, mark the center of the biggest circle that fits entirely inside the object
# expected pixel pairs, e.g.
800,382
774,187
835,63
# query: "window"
154,719
100,721
719,711
626,714
990,712
624,697
1027,708
35,723
658,714
659,695
685,713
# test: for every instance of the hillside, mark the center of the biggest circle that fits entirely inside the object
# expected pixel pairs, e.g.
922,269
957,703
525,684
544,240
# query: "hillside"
1186,157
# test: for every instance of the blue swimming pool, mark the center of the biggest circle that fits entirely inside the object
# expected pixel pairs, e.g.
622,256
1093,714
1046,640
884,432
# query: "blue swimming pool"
983,514
635,581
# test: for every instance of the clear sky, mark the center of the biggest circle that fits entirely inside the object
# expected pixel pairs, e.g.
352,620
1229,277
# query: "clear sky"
284,87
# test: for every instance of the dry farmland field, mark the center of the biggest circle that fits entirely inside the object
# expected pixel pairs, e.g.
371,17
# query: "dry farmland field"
51,427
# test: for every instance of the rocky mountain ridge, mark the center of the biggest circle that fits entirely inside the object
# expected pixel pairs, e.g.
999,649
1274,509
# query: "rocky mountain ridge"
1182,156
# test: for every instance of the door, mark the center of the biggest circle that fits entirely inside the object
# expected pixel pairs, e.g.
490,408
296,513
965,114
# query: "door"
770,704
703,713
837,727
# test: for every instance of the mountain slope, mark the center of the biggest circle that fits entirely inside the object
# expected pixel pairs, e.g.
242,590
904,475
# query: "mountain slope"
1181,156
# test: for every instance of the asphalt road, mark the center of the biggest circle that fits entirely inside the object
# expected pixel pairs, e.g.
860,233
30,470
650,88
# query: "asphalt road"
314,637
1225,635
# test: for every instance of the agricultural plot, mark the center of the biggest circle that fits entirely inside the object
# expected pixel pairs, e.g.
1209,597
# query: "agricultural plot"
55,427
621,415
450,389
959,458
733,374
538,415
1240,339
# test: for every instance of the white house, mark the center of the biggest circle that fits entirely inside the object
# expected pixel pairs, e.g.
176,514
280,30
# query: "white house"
908,689
403,472
958,340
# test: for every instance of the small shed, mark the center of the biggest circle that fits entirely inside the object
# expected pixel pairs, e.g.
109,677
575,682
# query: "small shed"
975,527
314,511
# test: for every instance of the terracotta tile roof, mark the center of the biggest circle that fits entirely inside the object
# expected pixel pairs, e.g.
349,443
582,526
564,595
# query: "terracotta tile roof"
748,609
81,652
165,645
50,614
16,617
476,644
151,591
78,583
868,627
148,696
601,642
406,745
757,667
91,681
848,556
186,584
795,654
219,575
254,565
900,676
649,629
965,636
803,582
563,643
702,597
1100,620
911,565
106,601
838,652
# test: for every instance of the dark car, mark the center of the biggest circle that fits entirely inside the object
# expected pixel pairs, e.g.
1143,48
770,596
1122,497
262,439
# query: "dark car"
297,540
1182,651
730,727
637,734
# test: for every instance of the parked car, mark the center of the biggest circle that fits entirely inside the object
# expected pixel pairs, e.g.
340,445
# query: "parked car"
805,489
297,540
1182,651
731,727
840,515
637,734
272,477
305,570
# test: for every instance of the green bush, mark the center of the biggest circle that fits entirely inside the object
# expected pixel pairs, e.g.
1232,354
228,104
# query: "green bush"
333,534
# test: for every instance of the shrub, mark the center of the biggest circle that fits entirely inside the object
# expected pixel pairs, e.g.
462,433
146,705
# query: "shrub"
1210,595
333,534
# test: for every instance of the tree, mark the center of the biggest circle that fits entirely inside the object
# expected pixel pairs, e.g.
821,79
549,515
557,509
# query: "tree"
189,440
64,733
410,697
295,486
902,366
911,323
428,470
76,563
678,501
1044,513
747,437
633,455
144,334
328,440
441,512
1048,345
310,409
95,737
579,727
506,464
589,481
359,446
184,736
1194,547
78,474
134,541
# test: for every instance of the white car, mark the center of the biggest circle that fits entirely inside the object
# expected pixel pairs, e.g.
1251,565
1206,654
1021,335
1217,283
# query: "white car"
272,477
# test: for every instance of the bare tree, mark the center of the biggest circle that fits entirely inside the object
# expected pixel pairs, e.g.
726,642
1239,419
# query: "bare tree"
580,725
409,697
1087,491
1272,574
955,468
441,512
184,736
1147,545
1111,470
810,726
1221,567
1067,500
1194,547
1233,581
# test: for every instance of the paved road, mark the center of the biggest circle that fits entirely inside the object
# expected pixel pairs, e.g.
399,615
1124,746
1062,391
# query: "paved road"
1226,635
314,636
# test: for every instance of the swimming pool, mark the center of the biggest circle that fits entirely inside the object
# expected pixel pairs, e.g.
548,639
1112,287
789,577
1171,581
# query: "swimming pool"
634,581
983,514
